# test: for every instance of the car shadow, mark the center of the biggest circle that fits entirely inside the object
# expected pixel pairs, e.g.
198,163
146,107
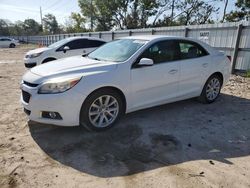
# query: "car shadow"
153,138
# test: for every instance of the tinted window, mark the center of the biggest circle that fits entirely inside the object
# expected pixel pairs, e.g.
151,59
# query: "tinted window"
5,39
191,50
163,51
76,44
95,43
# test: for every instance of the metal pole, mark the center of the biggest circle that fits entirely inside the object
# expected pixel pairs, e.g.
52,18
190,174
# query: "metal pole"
41,16
186,32
236,47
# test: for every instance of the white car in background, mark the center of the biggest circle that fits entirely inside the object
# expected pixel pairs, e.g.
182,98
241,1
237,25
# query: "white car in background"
68,47
6,42
122,76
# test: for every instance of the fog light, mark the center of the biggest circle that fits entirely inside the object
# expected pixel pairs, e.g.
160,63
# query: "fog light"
51,115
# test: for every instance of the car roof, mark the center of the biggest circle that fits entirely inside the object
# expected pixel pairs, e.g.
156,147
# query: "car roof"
162,37
153,37
83,37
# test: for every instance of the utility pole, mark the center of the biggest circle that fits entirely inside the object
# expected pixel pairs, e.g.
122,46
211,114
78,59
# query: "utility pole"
41,16
91,16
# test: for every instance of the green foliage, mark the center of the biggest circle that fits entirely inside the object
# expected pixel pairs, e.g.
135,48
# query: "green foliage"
28,27
31,27
242,12
131,14
50,24
4,27
75,23
248,74
195,12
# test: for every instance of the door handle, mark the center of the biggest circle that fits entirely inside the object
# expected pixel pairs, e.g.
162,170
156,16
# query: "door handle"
173,71
205,65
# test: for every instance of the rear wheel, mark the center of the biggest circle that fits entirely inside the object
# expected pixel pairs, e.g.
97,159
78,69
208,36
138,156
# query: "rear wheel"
211,89
12,45
101,110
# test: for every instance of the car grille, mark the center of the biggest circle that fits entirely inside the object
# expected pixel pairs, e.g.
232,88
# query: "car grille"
26,96
27,111
29,65
30,84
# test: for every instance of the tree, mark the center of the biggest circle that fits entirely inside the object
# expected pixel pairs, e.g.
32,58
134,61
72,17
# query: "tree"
75,23
224,10
122,14
242,12
4,28
195,12
50,24
31,27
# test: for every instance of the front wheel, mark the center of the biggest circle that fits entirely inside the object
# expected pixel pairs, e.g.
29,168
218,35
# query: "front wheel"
101,110
211,89
12,45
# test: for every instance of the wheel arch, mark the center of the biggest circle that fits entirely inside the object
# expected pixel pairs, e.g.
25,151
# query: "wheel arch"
116,89
219,74
47,59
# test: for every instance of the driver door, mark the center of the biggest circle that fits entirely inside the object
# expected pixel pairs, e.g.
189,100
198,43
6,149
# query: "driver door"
156,84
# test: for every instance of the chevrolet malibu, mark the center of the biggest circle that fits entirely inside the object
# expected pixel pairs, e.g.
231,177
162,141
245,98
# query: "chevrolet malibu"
122,76
64,48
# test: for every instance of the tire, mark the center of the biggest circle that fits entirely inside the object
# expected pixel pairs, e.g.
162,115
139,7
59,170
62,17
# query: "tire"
93,112
211,89
12,45
48,60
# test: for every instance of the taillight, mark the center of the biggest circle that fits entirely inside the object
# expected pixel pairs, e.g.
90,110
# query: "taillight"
229,57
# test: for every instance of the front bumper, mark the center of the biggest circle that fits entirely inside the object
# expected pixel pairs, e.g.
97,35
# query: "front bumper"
68,104
30,62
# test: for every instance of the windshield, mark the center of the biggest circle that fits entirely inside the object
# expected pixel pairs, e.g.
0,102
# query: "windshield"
58,43
118,50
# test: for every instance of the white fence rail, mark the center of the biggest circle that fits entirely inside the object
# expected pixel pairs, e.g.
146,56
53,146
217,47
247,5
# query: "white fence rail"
233,38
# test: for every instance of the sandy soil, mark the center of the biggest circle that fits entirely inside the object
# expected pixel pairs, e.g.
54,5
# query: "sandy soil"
183,144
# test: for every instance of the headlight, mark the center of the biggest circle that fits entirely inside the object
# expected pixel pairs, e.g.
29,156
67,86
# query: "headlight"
34,55
58,85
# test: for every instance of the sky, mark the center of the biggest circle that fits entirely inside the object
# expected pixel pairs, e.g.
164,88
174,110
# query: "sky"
15,10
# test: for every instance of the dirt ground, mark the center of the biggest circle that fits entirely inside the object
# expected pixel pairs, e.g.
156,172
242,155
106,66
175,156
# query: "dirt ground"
183,144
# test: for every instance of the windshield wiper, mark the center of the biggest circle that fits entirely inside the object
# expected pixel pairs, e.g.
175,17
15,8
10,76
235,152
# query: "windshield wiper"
93,58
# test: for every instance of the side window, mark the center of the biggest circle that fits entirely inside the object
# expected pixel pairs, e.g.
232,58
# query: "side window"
191,50
4,39
95,43
161,52
76,44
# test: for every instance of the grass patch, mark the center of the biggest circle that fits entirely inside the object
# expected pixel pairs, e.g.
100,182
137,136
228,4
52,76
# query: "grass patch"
248,73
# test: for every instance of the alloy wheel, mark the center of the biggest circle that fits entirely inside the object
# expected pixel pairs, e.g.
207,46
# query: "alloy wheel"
213,89
103,111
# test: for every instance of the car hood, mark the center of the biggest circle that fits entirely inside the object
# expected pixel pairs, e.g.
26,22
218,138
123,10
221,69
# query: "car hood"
38,50
76,65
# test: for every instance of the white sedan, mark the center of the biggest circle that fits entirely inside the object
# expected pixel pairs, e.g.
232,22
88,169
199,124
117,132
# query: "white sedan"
8,42
64,48
120,77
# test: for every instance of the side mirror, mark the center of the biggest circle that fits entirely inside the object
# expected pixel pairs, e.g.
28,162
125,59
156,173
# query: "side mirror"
146,62
65,49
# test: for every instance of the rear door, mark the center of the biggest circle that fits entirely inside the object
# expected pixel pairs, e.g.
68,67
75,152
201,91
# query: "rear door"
5,42
194,65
